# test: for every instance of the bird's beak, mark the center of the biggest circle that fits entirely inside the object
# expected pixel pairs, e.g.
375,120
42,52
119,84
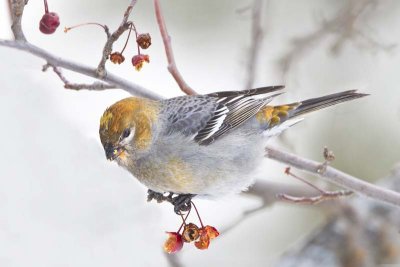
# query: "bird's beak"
112,152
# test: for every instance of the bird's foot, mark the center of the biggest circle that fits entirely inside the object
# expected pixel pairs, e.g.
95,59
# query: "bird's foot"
182,202
159,197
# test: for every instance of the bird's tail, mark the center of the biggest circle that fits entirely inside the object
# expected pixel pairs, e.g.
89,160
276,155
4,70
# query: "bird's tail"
324,101
281,117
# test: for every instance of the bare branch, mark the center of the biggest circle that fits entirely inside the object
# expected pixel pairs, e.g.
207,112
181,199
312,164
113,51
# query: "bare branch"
101,69
335,176
95,86
172,68
17,9
256,40
56,61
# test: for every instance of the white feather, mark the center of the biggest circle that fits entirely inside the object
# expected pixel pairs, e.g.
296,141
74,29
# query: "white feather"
281,127
218,124
221,99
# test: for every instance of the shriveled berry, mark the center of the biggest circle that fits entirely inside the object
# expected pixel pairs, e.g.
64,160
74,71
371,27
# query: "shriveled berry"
204,240
117,58
144,40
139,60
211,231
190,233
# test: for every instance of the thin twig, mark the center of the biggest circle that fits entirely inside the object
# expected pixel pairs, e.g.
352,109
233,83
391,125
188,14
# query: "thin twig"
54,60
323,194
256,40
95,86
172,68
335,176
101,69
105,27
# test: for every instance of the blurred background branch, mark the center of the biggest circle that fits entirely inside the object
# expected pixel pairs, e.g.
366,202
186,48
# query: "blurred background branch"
257,34
358,233
345,26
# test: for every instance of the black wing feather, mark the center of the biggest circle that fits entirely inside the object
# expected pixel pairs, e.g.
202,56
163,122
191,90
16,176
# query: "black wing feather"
234,108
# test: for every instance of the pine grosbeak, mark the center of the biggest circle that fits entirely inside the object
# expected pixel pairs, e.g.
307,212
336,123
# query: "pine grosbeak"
201,144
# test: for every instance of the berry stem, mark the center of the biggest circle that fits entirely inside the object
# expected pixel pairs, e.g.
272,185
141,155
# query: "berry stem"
136,35
46,8
197,212
183,221
84,24
129,34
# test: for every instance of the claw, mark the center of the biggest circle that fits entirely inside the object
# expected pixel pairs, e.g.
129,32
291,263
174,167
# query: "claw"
159,197
182,203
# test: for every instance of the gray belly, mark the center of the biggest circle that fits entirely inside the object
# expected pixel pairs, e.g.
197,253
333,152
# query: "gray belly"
224,167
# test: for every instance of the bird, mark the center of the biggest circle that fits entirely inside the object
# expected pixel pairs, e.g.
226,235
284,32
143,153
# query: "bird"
200,145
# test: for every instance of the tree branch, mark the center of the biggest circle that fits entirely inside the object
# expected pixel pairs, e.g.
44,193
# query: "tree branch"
172,68
17,9
101,69
56,61
95,86
335,176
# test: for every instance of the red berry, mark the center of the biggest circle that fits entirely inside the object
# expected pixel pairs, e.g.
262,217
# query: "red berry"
139,60
49,23
174,242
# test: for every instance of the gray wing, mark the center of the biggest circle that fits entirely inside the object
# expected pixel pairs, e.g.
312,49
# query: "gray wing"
188,114
208,117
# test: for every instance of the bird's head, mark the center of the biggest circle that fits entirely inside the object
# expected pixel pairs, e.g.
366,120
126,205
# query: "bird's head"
126,128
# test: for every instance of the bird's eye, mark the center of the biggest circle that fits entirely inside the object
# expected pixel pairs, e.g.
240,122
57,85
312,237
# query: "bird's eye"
126,133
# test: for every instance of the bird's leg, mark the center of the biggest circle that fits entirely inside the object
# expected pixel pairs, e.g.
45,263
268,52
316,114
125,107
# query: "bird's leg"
182,203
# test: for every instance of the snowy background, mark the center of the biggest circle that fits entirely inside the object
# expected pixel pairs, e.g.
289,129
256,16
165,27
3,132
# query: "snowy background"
63,204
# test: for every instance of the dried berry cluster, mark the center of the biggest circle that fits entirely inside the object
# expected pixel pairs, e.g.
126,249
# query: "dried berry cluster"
201,236
143,41
50,22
